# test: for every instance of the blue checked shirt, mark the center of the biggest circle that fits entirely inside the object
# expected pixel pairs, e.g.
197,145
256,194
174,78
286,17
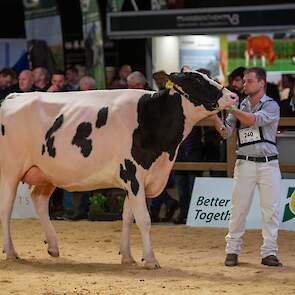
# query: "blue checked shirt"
267,117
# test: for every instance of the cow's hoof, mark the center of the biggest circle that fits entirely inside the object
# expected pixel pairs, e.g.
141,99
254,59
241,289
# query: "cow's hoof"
128,261
152,264
12,257
53,253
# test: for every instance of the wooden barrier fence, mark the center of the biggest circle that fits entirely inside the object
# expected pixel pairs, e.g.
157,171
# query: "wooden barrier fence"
231,155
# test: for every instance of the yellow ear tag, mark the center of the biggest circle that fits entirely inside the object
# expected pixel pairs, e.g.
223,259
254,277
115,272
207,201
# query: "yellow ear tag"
169,84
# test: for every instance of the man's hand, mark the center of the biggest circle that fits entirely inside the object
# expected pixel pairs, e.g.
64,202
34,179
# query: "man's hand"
232,104
218,124
228,101
52,88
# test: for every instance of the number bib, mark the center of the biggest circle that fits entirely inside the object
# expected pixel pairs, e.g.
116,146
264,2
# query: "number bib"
248,135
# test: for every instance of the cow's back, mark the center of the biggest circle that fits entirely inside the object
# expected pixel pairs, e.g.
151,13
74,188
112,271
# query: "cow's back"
48,130
259,45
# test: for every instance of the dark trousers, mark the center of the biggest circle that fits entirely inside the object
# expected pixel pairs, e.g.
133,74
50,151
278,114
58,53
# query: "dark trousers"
184,183
156,203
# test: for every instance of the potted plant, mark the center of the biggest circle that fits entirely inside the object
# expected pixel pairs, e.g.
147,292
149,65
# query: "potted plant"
105,209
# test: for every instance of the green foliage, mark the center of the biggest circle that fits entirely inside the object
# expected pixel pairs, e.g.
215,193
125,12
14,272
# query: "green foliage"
121,200
98,201
278,65
101,203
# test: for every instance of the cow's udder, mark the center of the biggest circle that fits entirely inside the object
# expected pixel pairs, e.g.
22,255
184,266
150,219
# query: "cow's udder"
34,176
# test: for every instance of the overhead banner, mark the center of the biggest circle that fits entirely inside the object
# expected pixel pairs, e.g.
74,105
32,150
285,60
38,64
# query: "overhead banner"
93,41
204,20
44,34
211,202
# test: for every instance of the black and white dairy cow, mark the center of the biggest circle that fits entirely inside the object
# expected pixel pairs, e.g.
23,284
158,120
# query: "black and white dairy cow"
100,139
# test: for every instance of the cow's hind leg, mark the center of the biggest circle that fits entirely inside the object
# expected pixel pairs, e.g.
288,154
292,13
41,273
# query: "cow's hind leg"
40,196
263,61
8,193
128,219
247,58
143,221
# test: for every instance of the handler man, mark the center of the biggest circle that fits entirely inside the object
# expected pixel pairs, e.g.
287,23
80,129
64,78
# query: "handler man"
256,121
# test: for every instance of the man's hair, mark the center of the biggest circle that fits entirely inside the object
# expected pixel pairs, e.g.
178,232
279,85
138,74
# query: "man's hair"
260,73
45,72
8,72
238,72
89,81
58,72
72,69
137,77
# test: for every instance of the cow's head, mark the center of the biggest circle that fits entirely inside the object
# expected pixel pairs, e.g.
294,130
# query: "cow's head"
201,90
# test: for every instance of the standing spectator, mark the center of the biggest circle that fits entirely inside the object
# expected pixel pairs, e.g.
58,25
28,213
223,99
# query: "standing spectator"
58,82
286,84
56,205
8,82
72,77
272,90
121,81
136,80
256,120
214,147
41,79
26,81
110,72
190,150
288,105
236,83
87,83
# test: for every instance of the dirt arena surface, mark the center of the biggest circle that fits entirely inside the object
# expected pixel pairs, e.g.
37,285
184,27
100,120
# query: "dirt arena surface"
191,260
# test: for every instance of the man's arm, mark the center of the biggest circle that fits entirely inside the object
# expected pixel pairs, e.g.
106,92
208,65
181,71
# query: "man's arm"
224,131
245,118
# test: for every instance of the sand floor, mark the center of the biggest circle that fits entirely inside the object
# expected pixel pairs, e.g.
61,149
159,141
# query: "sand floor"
191,261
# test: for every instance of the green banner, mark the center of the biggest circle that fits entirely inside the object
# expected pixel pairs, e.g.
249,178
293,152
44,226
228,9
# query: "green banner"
92,31
44,34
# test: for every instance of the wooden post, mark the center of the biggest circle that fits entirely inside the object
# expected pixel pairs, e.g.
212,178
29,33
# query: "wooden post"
231,153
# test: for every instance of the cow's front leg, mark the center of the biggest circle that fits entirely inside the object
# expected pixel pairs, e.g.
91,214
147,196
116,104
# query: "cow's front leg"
40,197
128,219
7,194
143,221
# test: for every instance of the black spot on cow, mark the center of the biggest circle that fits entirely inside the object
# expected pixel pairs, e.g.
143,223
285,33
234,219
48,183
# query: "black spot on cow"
43,149
160,127
2,129
102,116
49,138
80,139
128,174
199,89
